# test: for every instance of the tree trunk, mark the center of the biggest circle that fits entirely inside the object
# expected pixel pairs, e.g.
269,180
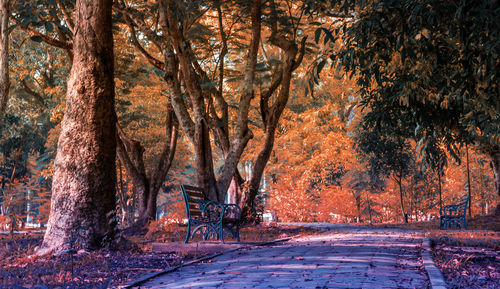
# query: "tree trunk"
130,153
358,207
195,105
495,164
440,189
468,179
122,197
248,211
236,191
4,57
204,167
242,133
83,188
400,184
271,115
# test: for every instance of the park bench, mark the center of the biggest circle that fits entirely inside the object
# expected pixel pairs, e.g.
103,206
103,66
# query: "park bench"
209,218
454,215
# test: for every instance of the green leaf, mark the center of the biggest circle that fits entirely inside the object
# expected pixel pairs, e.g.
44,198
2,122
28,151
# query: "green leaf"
49,27
317,35
36,38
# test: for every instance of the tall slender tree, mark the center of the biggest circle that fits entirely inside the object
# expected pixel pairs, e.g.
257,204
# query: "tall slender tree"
4,56
83,189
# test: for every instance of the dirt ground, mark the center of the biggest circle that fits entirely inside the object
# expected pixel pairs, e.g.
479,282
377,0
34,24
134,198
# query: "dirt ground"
468,259
19,268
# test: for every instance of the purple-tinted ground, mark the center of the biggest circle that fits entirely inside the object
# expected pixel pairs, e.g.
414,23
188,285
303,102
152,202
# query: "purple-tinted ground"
355,259
468,267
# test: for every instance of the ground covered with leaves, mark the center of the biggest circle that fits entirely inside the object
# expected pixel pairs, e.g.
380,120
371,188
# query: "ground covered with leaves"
20,268
468,267
469,259
98,269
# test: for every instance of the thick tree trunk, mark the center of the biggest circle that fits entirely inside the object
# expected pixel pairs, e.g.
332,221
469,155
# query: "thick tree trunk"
83,189
4,57
204,167
236,191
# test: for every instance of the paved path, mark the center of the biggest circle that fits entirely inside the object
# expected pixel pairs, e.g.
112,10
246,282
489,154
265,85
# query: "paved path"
360,258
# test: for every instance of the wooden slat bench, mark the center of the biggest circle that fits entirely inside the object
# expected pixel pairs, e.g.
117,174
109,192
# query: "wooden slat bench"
454,215
209,218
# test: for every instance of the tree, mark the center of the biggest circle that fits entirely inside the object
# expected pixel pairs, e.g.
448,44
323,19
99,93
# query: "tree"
4,56
130,153
185,41
435,61
83,189
388,154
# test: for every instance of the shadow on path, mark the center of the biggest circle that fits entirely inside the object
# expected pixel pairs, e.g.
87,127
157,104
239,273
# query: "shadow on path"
348,258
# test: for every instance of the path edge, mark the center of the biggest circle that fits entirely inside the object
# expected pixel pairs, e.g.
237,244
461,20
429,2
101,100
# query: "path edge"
147,277
435,276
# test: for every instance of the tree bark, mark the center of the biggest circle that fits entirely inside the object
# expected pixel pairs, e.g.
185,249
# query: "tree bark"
495,164
83,189
468,179
400,184
440,189
4,57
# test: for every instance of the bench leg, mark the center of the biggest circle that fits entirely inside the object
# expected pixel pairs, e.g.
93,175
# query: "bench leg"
235,232
188,233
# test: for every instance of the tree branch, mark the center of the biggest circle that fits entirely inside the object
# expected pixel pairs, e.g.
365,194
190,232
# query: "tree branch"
152,60
33,93
67,17
167,154
45,38
136,21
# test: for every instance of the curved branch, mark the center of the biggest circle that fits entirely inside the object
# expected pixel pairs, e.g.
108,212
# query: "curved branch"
33,93
136,21
45,38
153,61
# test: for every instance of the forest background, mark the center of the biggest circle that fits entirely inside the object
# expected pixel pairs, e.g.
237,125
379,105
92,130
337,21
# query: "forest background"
333,155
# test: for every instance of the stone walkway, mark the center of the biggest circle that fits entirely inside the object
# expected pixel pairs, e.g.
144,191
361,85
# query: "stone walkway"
355,259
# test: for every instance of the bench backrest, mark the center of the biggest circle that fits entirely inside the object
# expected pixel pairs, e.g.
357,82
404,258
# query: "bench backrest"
459,209
462,206
194,199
